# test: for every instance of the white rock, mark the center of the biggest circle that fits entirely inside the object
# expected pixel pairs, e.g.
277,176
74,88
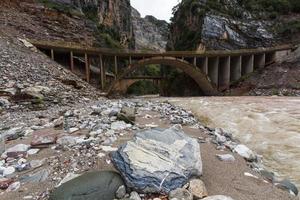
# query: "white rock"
134,196
8,171
22,161
73,130
32,151
28,197
17,148
101,155
119,125
108,148
36,163
226,157
245,152
14,186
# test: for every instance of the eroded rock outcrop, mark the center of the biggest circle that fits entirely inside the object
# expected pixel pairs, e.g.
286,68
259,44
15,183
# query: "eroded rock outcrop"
222,24
150,33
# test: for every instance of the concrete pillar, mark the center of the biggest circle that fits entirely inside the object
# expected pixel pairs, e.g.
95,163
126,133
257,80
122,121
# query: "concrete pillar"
224,73
259,61
101,72
270,57
72,61
213,68
204,65
87,67
52,54
247,64
116,67
236,68
195,61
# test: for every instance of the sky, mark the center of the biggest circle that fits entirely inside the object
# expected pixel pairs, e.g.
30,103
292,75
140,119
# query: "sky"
161,9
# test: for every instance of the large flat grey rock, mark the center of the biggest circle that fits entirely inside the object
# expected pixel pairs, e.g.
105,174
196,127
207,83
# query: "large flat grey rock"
158,160
89,186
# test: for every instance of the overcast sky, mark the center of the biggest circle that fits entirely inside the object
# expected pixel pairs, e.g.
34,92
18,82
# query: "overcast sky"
161,9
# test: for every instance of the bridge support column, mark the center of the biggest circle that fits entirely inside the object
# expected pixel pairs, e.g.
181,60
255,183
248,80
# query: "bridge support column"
116,67
270,57
247,64
101,72
195,61
52,54
224,73
213,68
204,65
259,61
87,67
236,68
72,61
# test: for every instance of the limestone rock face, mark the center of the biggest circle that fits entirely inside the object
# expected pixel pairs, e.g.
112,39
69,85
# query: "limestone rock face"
113,15
215,25
150,33
158,160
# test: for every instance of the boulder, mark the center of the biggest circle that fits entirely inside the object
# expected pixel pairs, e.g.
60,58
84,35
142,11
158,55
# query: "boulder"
158,160
43,138
127,115
89,186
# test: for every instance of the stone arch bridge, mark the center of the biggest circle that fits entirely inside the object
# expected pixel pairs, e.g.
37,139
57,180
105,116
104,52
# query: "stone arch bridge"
213,71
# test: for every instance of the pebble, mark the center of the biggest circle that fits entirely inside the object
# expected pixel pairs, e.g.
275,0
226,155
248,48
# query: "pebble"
134,196
197,188
180,194
245,152
33,151
226,157
14,186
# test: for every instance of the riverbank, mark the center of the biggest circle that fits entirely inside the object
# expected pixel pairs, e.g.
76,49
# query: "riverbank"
268,125
96,133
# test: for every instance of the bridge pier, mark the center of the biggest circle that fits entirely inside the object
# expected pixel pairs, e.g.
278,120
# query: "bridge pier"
259,61
101,72
213,69
236,68
87,67
224,73
72,61
204,65
247,64
116,67
52,54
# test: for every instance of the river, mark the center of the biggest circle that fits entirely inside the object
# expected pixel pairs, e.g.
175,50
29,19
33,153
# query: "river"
268,125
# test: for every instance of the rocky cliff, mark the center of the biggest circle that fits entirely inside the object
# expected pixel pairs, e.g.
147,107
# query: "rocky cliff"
89,22
150,33
223,24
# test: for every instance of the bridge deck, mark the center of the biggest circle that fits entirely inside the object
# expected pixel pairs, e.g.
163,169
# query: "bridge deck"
67,47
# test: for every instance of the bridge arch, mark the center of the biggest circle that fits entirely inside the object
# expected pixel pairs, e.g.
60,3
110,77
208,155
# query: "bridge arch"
194,72
124,84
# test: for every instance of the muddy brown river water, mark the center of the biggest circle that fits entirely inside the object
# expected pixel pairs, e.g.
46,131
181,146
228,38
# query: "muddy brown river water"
268,125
